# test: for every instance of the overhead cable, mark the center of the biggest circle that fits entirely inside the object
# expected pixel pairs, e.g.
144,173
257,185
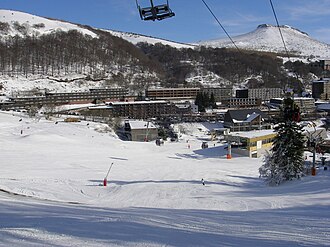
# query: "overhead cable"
220,25
279,28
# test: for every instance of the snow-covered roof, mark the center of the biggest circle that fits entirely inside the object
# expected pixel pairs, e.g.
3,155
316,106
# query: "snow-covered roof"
141,125
174,89
245,115
323,106
251,117
253,134
322,80
139,102
3,98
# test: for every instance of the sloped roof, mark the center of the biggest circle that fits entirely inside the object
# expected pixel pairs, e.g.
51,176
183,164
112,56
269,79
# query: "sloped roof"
251,117
245,114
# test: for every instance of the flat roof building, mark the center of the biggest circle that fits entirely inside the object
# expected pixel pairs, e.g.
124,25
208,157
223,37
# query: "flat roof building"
219,94
259,93
306,105
251,143
141,130
321,89
172,93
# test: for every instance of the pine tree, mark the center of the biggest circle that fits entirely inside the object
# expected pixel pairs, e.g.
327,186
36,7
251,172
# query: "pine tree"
212,101
285,161
200,102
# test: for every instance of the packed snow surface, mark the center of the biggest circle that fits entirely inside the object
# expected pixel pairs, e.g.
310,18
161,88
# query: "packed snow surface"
51,191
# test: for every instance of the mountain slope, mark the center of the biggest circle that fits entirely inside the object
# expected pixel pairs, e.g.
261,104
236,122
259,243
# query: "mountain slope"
136,38
55,52
37,52
24,24
267,38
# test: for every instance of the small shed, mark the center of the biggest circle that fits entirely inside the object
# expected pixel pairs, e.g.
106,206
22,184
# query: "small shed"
142,130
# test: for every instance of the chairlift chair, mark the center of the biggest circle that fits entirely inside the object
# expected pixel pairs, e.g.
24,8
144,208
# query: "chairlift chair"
155,12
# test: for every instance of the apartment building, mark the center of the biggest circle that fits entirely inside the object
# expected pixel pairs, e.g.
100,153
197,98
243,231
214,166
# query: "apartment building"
321,89
259,93
219,94
306,105
172,93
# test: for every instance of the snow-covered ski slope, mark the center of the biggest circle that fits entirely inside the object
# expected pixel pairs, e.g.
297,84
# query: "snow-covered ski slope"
51,192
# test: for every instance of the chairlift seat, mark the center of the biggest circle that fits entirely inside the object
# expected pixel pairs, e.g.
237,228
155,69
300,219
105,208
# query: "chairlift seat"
158,12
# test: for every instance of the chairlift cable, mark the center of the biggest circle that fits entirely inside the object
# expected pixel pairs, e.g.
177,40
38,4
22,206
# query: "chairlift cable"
220,25
279,28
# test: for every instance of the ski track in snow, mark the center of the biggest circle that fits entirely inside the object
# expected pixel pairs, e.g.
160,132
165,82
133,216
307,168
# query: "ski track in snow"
52,194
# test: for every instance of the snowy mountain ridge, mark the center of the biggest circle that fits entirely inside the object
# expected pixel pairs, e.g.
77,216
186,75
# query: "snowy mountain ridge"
267,38
135,38
24,24
14,23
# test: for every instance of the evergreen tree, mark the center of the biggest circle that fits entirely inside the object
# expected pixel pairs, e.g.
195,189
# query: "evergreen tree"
212,101
200,102
285,161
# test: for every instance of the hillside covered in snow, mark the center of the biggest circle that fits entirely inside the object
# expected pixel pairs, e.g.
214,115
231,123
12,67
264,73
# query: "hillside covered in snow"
39,53
267,38
23,24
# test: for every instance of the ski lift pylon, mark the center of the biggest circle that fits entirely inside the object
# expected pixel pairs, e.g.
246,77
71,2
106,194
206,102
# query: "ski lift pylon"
155,12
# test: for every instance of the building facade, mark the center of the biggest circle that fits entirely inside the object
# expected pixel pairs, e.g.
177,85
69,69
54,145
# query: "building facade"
325,64
219,94
306,105
321,89
242,93
265,93
242,102
141,109
252,144
141,131
259,93
172,93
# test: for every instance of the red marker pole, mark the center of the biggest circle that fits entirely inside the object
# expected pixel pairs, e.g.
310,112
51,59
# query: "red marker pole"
229,151
105,180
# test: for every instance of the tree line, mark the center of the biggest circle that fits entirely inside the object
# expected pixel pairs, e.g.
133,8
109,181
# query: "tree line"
63,53
229,64
205,100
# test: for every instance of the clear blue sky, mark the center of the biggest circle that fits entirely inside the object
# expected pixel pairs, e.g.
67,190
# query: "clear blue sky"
192,22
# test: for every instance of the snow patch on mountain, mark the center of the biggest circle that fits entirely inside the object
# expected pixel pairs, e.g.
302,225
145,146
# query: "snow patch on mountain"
137,38
24,24
267,38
